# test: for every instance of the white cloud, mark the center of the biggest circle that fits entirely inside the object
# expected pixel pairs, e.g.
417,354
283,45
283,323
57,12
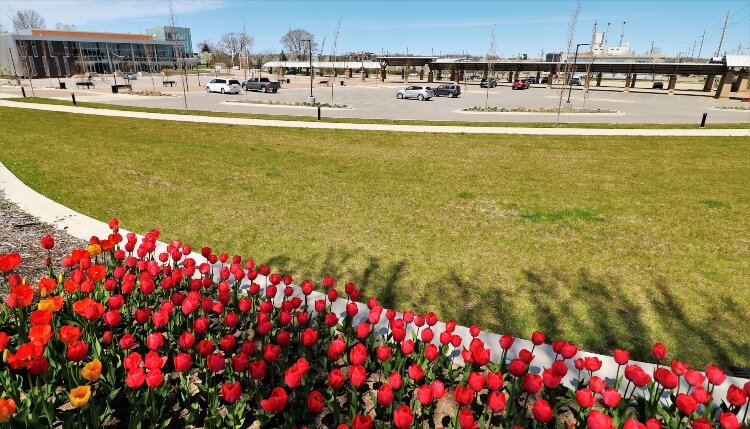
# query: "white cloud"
96,13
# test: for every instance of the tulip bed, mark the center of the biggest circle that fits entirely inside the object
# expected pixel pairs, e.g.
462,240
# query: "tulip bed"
125,335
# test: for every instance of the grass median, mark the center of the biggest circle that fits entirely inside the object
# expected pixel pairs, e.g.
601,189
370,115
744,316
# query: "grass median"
41,100
604,241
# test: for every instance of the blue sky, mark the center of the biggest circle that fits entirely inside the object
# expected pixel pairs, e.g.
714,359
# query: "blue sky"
422,27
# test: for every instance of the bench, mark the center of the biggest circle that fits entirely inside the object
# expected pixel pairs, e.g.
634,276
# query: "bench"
116,88
168,82
86,84
323,82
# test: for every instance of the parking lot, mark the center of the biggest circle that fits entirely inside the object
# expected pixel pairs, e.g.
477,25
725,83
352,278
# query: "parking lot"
372,99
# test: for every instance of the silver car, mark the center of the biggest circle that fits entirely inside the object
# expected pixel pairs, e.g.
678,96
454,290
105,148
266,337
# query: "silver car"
418,92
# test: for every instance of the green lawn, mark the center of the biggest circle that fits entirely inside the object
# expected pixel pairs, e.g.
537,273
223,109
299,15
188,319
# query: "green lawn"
312,118
611,241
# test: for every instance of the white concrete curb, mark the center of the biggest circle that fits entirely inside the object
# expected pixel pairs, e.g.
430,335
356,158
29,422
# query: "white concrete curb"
385,127
83,227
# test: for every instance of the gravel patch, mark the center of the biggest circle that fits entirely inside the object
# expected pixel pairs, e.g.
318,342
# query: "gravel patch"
20,233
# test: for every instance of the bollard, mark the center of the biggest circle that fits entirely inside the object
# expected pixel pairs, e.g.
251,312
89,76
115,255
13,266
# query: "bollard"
73,96
318,112
703,121
23,91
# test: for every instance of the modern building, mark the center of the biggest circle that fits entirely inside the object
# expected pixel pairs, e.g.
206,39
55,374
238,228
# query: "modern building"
39,53
171,34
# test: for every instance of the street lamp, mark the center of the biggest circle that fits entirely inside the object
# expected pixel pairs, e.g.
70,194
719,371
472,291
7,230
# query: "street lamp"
570,78
311,99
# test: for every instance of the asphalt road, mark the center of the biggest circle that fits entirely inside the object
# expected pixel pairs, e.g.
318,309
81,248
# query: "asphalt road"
373,100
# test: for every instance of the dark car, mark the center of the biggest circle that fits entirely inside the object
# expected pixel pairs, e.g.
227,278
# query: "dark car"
483,83
262,84
452,91
658,85
531,79
545,79
521,84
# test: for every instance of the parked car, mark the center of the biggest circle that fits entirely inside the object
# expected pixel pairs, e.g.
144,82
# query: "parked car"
575,80
236,68
545,79
483,83
130,76
531,79
658,85
224,86
521,84
263,84
417,92
449,90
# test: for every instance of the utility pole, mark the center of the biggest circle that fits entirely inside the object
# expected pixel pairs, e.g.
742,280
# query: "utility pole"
622,32
701,47
723,30
651,53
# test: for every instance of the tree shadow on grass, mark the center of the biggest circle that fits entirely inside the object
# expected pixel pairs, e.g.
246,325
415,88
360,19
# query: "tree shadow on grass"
598,313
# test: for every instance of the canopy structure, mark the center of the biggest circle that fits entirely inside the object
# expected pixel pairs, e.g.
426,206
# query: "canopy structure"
324,64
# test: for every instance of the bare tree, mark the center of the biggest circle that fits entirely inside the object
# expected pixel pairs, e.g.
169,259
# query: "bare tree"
236,43
294,41
178,54
490,57
27,18
568,65
333,60
63,26
260,58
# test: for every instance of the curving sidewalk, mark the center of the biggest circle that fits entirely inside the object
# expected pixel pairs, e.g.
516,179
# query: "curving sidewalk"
385,127
83,227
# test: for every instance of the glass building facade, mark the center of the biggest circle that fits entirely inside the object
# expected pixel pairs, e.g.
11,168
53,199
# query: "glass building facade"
171,34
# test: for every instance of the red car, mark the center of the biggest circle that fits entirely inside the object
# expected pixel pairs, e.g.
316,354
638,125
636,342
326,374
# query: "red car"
521,84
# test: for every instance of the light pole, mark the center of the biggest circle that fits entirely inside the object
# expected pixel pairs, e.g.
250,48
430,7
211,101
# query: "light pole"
570,78
311,99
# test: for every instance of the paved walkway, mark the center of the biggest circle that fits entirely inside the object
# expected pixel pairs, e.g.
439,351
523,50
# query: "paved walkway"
385,127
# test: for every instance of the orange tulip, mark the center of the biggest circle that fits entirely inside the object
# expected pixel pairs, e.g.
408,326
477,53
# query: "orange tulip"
80,396
92,371
40,317
40,334
70,334
7,408
46,286
53,303
94,249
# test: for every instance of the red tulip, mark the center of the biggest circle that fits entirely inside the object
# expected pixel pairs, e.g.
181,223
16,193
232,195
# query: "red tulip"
679,368
551,379
271,353
182,362
438,389
715,375
135,378
416,372
215,362
659,351
358,354
694,378
517,367
496,402
637,375
463,395
227,343
541,411
632,423
494,380
385,395
537,338
611,398
154,378
666,378
736,396
597,385
155,341
206,347
336,378
568,350
560,368
383,353
585,398
701,423
525,356
599,420
361,422
532,383
701,395
357,375
424,394
231,392
127,341
506,341
729,421
474,330
315,402
402,417
276,402
77,351
686,404
257,369
466,419
239,362
407,347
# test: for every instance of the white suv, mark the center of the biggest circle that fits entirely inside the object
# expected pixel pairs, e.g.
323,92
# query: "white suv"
228,86
417,92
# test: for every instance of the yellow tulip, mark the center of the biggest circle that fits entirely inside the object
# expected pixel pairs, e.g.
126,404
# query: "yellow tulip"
92,371
80,396
94,249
